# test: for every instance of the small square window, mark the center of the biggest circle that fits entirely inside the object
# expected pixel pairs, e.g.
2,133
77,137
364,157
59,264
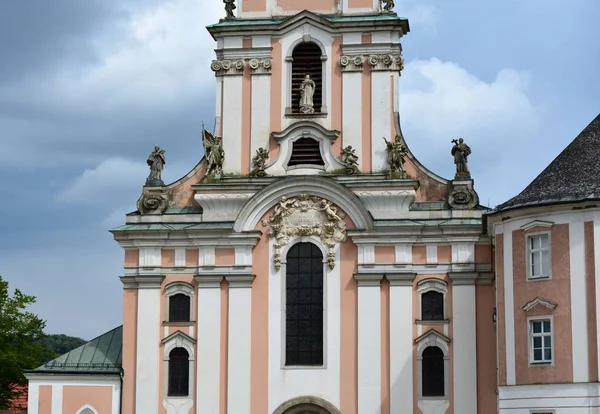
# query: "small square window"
538,256
540,333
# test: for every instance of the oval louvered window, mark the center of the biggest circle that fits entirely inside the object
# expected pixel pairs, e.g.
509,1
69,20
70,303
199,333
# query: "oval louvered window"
306,151
307,60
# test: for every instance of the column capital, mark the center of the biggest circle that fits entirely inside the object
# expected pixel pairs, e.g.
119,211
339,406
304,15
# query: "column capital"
228,67
352,63
367,279
463,278
401,279
240,281
205,282
485,278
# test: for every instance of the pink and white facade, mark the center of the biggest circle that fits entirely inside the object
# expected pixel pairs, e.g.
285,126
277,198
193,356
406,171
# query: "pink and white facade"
307,289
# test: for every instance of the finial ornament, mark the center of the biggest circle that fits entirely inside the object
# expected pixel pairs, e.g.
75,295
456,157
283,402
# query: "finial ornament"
307,91
156,161
259,161
396,151
387,6
461,151
350,160
213,151
229,8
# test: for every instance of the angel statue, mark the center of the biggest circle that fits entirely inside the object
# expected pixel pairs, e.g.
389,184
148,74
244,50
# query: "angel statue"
396,152
350,160
259,161
156,161
229,8
387,5
307,91
213,150
461,151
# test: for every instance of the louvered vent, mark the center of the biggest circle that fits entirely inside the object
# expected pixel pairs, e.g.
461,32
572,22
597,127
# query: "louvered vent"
306,151
306,59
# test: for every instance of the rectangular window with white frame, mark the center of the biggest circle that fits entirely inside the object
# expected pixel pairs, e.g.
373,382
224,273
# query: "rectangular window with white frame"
538,256
541,350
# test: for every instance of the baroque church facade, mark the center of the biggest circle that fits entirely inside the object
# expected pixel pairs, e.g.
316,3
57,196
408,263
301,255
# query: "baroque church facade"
310,264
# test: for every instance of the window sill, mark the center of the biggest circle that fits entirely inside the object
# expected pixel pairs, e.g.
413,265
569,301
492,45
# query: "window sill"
432,322
541,364
305,116
441,398
537,278
190,323
304,367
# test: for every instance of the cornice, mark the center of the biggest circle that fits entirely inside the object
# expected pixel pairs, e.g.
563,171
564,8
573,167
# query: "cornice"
539,301
368,280
240,281
142,282
208,282
401,279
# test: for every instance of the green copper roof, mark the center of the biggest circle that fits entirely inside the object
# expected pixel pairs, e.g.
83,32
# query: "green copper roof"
100,354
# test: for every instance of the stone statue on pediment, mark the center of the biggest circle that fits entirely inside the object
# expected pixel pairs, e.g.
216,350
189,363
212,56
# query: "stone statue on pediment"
461,151
350,160
259,162
229,8
213,151
387,6
156,161
396,152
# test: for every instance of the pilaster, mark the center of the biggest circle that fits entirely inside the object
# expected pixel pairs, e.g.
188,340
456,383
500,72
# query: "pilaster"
369,342
239,359
401,342
464,323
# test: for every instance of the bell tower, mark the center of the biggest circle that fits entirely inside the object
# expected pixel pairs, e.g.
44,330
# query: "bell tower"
303,79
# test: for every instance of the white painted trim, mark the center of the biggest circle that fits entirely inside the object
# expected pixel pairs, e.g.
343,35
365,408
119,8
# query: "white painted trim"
175,288
432,253
178,340
352,111
180,257
381,119
597,279
531,319
509,308
432,339
57,399
538,301
90,380
425,285
206,256
33,397
573,398
537,223
366,254
529,236
260,125
232,122
579,314
116,399
404,253
148,337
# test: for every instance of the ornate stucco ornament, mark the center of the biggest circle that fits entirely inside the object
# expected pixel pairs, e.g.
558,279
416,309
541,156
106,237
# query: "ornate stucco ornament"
462,196
306,216
260,66
352,63
152,201
259,161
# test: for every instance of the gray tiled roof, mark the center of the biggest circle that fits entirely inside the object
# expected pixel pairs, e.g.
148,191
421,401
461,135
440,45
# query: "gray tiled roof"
101,354
573,176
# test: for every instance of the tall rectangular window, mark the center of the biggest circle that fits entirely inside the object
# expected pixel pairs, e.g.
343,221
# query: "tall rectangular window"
538,250
540,333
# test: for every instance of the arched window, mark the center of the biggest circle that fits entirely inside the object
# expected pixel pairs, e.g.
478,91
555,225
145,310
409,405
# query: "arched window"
304,305
179,308
306,59
179,373
432,306
433,372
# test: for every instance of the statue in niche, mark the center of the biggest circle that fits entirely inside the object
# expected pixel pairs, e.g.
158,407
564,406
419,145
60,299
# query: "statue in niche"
387,5
461,151
213,150
396,151
307,91
259,161
350,160
156,161
229,8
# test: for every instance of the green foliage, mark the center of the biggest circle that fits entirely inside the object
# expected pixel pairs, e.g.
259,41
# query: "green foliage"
58,345
21,341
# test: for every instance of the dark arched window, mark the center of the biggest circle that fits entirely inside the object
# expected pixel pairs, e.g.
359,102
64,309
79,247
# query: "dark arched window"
179,308
432,306
304,305
306,59
179,373
433,372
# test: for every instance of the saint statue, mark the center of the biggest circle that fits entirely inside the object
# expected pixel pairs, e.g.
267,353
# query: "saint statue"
156,161
461,151
387,5
396,151
350,160
229,8
213,151
307,91
259,162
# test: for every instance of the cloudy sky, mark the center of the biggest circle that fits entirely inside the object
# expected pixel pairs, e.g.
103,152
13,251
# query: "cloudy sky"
88,87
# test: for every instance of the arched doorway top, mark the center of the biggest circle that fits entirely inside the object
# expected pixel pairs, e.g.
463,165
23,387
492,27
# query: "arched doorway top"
307,404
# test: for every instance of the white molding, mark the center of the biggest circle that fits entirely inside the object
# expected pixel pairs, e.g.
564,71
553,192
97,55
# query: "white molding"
432,253
579,305
33,396
386,203
177,340
538,301
148,337
401,346
509,308
432,338
404,253
536,223
262,201
529,236
426,285
91,380
221,205
180,257
57,399
206,256
243,256
547,397
366,254
530,341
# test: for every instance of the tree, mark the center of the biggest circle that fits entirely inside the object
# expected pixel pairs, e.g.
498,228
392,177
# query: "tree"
60,344
21,342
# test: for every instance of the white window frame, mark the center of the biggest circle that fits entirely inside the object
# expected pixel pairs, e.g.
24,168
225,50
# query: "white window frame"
530,337
283,272
433,339
173,289
178,340
529,252
426,285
